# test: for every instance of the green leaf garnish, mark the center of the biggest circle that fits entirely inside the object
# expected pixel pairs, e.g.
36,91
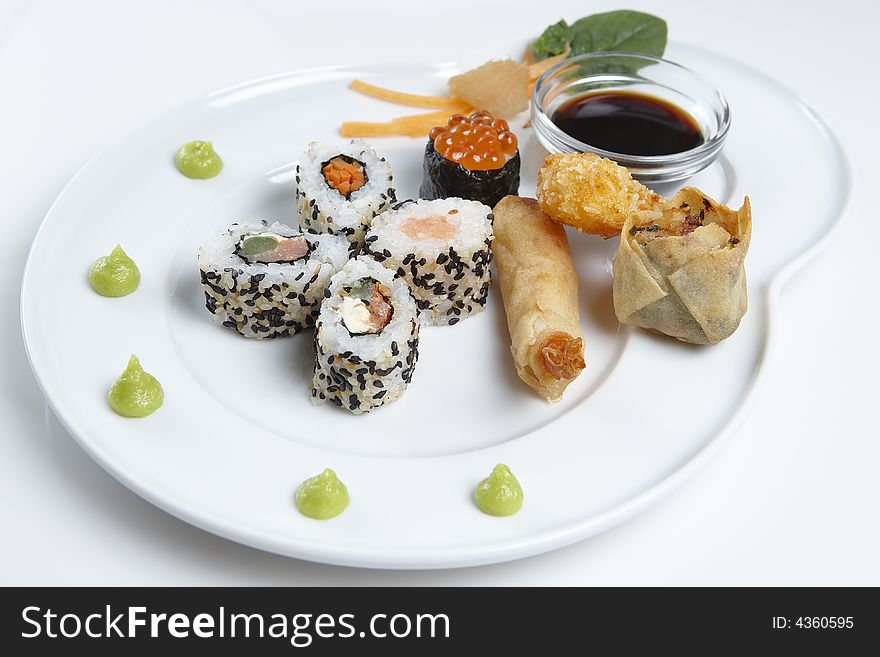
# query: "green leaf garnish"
623,30
552,41
257,244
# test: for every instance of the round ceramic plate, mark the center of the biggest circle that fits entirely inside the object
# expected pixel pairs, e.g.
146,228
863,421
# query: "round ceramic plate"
237,432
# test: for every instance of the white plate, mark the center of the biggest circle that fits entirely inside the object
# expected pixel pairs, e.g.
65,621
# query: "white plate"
237,433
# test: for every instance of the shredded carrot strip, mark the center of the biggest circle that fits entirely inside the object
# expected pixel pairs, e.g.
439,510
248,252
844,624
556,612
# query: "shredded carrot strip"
529,55
401,98
417,125
366,129
413,125
390,129
432,117
536,69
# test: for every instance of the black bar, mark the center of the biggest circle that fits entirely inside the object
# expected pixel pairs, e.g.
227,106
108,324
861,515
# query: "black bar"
438,621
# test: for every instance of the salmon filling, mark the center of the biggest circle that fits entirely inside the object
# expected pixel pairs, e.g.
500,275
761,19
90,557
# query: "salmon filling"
344,174
380,308
433,227
562,356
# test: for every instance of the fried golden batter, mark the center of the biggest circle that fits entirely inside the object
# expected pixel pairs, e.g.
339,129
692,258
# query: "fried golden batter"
594,194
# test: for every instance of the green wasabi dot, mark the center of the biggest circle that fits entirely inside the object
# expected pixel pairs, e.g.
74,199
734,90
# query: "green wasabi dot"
198,159
499,494
114,275
135,393
322,497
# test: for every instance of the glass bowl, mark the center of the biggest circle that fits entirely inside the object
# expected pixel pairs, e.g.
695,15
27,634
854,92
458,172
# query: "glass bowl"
645,74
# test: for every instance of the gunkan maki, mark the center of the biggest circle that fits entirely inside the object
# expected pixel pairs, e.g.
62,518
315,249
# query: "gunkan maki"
473,157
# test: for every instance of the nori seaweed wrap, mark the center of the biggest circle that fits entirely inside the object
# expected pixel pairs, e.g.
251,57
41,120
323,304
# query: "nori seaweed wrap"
477,160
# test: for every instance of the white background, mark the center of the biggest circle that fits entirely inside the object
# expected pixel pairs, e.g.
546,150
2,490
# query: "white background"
792,499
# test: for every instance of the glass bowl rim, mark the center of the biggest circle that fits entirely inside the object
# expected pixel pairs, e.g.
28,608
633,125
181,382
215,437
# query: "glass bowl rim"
707,148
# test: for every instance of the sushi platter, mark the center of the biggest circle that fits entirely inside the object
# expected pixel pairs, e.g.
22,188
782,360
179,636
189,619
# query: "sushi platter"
407,306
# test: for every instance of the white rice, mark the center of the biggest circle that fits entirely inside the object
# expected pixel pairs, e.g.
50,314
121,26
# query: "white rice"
449,277
323,209
361,372
267,300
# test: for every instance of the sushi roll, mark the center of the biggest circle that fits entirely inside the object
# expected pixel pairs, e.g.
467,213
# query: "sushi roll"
266,281
474,157
442,248
341,188
366,338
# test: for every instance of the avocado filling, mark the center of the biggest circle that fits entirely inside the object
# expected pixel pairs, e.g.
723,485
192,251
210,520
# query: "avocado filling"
270,247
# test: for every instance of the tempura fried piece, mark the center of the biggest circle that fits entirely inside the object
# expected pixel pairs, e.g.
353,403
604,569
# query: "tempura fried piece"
594,194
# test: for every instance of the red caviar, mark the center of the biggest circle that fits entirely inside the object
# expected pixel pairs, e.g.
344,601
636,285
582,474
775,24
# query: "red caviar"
478,142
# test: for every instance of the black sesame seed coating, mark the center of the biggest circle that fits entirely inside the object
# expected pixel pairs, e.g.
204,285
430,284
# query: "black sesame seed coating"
260,306
449,284
318,210
360,383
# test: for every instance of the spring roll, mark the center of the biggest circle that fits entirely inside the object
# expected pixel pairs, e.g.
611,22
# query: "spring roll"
539,287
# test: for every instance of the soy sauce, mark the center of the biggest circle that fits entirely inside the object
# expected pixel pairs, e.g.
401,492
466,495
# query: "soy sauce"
628,123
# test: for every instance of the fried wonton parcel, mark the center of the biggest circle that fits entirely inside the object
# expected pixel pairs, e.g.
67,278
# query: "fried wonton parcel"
683,274
594,194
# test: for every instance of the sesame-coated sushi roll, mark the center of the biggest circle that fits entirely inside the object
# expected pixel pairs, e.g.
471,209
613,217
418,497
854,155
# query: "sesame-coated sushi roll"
474,157
443,249
340,188
366,338
267,281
